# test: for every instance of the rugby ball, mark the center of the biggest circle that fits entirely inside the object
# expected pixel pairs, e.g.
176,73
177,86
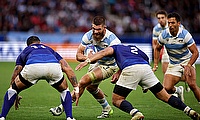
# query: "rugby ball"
90,49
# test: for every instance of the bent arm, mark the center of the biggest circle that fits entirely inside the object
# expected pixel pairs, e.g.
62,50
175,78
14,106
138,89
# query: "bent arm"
80,53
97,56
195,54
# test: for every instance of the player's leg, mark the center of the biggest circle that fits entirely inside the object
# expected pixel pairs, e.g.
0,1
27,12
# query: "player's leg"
119,100
98,94
191,80
11,94
169,83
173,75
96,76
173,101
83,83
66,98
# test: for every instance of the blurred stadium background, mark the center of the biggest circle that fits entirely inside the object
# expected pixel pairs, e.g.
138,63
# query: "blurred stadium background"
61,23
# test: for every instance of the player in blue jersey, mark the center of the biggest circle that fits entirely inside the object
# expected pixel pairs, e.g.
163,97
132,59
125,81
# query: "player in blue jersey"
100,37
38,61
182,52
134,70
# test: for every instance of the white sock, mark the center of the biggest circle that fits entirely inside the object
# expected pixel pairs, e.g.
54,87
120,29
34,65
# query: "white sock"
187,110
133,111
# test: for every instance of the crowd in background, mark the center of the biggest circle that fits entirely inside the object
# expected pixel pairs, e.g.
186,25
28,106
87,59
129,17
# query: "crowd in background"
66,16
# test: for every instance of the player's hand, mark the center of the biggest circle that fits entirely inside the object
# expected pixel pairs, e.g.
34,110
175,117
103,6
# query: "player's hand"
17,102
155,68
187,70
115,77
81,65
75,95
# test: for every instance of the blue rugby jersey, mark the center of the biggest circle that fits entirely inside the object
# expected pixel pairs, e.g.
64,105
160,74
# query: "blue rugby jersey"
129,55
37,53
177,47
108,40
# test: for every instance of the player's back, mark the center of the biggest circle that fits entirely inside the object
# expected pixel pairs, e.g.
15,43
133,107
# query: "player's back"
38,53
129,55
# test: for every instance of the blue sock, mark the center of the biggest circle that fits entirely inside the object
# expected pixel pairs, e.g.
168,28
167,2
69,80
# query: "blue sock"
126,106
66,100
176,103
9,100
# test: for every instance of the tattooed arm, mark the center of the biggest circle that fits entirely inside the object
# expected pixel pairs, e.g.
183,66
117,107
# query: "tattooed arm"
17,70
69,72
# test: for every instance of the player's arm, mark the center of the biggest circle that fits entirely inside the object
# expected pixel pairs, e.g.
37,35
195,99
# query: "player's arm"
80,53
97,56
69,72
195,54
115,76
154,43
156,56
17,70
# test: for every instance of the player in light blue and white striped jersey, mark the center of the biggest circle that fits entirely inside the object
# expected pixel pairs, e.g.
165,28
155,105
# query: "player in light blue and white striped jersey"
101,38
182,52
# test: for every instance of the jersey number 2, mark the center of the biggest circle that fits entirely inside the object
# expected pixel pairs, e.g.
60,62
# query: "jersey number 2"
134,50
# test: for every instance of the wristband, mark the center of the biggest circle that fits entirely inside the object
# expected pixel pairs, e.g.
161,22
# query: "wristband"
76,89
88,60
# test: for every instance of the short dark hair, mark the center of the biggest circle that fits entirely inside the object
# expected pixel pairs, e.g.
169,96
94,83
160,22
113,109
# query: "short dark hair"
163,12
175,15
32,39
99,20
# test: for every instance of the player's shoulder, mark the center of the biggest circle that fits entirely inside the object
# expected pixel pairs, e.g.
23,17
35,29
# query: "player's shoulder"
88,34
157,27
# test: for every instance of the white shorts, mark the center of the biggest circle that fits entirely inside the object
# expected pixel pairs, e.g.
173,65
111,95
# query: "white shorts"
51,72
165,56
177,69
107,71
140,74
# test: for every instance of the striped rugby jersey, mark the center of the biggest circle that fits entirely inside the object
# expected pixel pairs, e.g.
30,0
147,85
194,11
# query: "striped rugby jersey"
109,39
177,47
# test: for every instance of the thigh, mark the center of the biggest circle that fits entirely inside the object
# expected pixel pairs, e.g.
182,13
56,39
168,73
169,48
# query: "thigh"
170,81
103,72
191,79
107,71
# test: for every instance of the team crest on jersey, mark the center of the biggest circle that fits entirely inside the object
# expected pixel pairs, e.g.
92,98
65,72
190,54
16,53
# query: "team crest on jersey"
181,40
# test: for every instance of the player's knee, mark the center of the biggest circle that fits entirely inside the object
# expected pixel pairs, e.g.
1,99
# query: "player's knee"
91,76
115,100
85,81
14,87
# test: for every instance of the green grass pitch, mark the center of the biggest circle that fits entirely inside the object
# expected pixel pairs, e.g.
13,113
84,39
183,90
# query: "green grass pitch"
38,99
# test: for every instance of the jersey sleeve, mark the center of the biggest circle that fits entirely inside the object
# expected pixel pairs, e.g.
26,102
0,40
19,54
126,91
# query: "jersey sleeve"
86,38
